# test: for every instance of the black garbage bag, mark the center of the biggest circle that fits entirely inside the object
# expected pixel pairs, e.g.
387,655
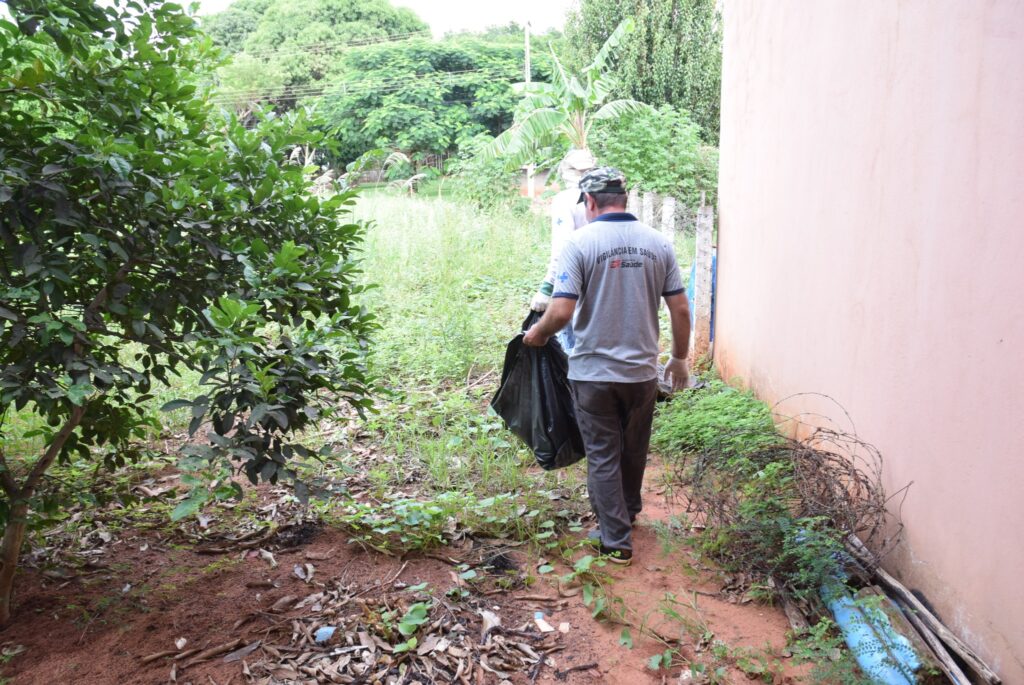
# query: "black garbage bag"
535,401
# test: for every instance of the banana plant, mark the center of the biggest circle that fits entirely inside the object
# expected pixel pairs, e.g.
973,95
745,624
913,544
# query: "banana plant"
565,109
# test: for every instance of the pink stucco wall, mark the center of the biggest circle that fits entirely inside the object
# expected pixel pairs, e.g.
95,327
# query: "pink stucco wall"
871,247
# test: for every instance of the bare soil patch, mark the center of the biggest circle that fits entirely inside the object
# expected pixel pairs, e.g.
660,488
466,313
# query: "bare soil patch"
150,591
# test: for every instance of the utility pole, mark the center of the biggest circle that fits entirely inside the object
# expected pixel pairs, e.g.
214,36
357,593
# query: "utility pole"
529,167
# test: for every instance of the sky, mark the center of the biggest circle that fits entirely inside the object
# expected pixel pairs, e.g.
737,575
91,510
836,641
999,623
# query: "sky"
460,15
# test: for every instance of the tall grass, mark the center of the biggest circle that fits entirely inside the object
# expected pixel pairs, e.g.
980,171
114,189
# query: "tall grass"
453,284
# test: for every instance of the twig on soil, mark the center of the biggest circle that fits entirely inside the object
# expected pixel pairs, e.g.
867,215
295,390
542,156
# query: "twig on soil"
159,655
536,669
211,652
382,583
510,631
447,560
561,675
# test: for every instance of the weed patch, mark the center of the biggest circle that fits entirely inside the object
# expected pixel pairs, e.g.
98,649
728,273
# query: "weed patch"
719,417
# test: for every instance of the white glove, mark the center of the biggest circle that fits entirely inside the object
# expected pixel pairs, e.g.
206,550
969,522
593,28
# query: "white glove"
679,373
539,303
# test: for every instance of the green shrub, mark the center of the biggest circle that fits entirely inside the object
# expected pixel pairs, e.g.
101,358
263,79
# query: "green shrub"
718,416
485,182
659,150
742,475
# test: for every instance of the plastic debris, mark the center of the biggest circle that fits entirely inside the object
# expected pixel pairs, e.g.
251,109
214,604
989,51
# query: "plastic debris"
542,625
324,633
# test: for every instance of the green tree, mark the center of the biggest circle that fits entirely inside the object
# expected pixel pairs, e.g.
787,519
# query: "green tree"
565,109
424,97
674,57
659,150
303,39
246,83
230,28
144,232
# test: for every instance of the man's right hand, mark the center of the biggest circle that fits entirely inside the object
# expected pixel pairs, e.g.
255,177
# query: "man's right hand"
534,338
540,301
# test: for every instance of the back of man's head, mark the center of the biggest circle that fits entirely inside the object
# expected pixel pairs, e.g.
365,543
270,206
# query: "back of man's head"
607,185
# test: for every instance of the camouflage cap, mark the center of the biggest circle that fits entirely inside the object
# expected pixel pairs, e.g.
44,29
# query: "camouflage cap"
603,179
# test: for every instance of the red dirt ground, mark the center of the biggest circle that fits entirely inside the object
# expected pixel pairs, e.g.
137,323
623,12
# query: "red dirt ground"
92,629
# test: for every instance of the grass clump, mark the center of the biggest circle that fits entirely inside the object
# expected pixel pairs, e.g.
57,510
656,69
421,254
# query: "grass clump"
452,284
718,416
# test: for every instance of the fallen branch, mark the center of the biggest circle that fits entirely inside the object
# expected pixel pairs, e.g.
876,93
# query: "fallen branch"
536,598
948,665
159,655
797,621
211,652
536,670
561,675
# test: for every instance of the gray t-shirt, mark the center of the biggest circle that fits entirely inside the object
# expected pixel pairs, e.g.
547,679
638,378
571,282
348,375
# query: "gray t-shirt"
617,269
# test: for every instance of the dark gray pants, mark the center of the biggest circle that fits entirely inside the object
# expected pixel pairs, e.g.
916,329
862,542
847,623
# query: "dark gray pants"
615,422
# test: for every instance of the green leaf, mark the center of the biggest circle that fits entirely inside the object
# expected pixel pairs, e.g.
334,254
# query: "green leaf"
654,663
406,646
584,564
546,568
626,638
189,506
618,108
79,392
119,164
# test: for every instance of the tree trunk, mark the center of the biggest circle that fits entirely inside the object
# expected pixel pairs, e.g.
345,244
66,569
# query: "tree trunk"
10,549
17,519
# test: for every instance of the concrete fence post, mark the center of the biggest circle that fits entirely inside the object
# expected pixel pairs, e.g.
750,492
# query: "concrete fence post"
668,218
633,201
648,211
701,304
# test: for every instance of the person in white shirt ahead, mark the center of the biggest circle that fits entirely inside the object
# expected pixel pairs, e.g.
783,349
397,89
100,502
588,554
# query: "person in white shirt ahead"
567,215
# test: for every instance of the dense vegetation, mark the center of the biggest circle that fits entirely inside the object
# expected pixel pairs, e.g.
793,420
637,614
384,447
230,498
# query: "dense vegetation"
674,57
424,97
144,233
374,73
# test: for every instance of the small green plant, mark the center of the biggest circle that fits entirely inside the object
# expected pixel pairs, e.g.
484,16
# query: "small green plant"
664,660
832,663
719,417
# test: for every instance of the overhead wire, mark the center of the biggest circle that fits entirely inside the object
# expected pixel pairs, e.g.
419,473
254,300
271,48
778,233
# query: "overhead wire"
334,45
363,87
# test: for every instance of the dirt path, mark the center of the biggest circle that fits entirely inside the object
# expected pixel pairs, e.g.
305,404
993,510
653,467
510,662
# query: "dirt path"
98,626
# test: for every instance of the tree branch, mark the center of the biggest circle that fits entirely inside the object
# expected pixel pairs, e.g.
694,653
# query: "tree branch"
91,312
7,482
36,474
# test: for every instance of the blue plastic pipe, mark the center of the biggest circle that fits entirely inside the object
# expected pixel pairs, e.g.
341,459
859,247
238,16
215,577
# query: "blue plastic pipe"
883,654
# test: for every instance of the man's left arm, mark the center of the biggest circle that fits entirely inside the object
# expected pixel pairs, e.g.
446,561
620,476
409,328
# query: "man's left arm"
558,314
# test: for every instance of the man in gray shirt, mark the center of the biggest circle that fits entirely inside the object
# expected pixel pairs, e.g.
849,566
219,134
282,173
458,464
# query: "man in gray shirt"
613,273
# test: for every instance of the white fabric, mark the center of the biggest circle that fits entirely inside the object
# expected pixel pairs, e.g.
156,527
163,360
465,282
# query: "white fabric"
566,216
